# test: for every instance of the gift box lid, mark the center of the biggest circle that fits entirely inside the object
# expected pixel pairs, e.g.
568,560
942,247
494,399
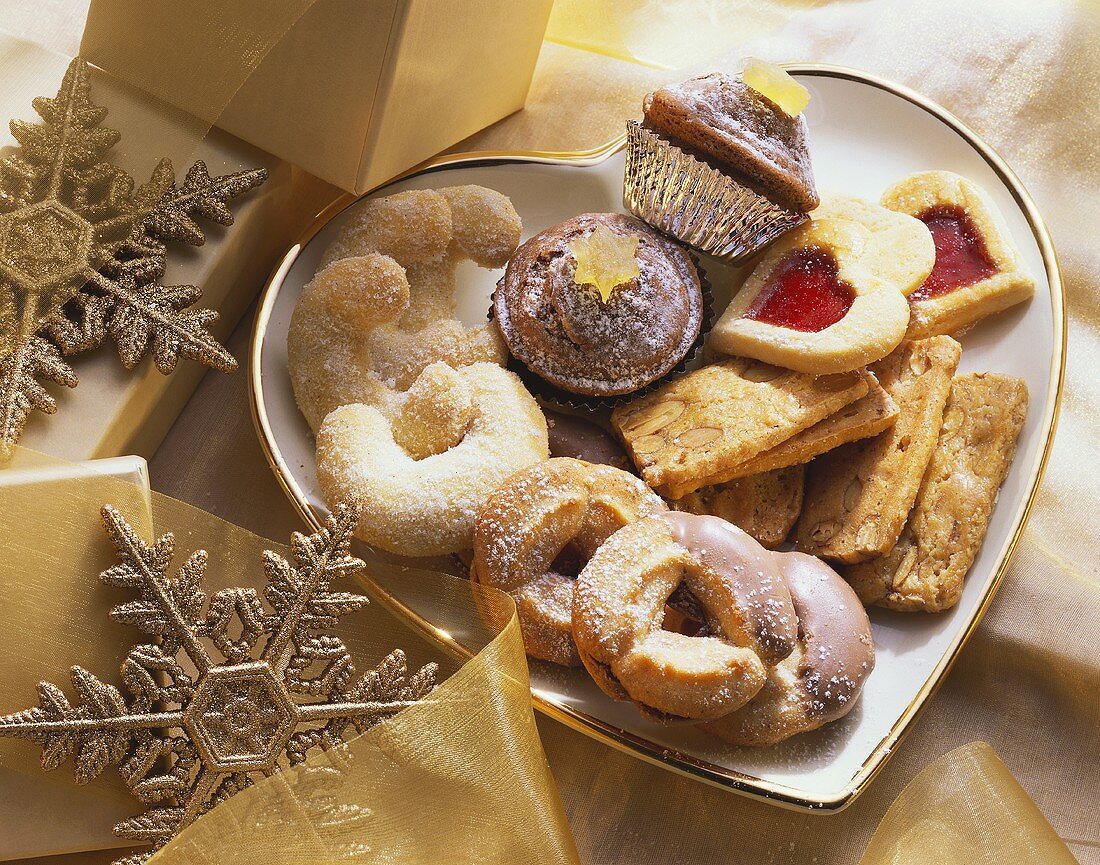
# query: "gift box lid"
354,92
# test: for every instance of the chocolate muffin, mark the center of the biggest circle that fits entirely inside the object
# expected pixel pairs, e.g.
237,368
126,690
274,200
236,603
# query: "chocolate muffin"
719,166
739,131
576,340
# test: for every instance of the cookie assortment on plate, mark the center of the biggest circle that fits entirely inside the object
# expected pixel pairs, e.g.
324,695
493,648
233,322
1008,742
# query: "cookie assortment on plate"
699,530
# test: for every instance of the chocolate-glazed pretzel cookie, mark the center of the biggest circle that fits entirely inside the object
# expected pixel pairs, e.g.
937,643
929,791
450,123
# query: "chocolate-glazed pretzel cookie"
619,608
821,679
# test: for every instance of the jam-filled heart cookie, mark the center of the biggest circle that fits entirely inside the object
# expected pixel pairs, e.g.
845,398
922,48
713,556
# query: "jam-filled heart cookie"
978,270
901,249
817,302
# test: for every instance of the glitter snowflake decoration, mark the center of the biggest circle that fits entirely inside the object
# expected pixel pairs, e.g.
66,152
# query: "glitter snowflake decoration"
82,253
186,740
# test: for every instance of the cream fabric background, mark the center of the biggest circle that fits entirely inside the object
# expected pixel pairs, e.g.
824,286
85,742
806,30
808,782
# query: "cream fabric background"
1025,75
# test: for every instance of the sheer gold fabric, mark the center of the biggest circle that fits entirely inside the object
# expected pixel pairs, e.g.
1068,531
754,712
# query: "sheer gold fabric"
463,766
965,809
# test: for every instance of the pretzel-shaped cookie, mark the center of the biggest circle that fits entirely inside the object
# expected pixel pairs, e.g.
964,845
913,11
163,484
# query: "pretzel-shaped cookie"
540,528
821,679
619,608
381,308
421,474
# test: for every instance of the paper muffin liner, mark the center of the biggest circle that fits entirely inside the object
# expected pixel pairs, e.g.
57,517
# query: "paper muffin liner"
698,205
555,396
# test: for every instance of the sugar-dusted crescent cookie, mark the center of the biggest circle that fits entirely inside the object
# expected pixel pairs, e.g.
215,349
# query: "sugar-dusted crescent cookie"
977,441
536,532
858,496
619,609
820,681
695,430
381,308
766,505
421,474
901,250
817,302
978,270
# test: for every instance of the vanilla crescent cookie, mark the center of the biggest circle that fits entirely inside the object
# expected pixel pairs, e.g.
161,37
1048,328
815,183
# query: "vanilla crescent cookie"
381,308
820,681
817,302
420,475
619,609
539,529
978,270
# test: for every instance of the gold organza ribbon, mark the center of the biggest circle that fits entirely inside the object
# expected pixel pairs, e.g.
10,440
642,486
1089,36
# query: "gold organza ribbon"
460,777
965,809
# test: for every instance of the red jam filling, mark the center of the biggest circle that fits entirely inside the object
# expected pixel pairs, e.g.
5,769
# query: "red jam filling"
803,293
961,256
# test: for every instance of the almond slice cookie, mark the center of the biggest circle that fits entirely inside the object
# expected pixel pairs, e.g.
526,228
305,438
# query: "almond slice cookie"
817,302
859,495
766,506
694,429
978,270
866,417
977,441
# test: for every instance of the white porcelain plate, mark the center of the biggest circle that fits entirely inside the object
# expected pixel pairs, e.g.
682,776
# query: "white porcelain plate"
864,134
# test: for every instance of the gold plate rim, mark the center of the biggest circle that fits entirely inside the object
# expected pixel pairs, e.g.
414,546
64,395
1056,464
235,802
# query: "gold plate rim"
636,746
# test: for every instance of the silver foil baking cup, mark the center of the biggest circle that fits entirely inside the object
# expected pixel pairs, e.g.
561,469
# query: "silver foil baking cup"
695,203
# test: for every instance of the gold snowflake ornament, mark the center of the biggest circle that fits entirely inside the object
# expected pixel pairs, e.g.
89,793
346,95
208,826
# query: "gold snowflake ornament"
266,683
82,253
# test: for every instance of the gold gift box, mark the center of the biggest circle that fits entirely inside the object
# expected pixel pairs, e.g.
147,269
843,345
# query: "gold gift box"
46,625
355,92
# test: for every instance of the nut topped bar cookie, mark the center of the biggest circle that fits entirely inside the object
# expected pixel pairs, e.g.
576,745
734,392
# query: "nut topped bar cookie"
766,505
858,496
977,441
978,270
866,417
694,430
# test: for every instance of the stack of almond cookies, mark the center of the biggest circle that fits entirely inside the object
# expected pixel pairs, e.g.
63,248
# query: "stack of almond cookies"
869,451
